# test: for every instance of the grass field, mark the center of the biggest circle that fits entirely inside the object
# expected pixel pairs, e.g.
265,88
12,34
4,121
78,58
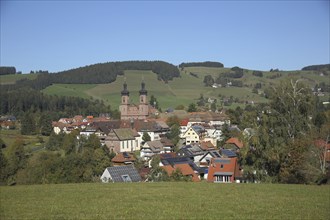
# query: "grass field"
183,90
165,201
12,78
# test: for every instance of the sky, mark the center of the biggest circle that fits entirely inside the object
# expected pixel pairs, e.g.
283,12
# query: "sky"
258,35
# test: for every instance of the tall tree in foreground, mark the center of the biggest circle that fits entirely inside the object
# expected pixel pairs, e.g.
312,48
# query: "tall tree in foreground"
279,149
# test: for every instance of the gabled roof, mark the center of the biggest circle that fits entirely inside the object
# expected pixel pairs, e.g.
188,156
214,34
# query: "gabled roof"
235,141
166,142
151,126
155,146
185,169
191,151
207,145
117,173
223,166
123,157
125,133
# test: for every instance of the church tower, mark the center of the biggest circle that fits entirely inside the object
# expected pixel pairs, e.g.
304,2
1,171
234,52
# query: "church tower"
123,108
143,106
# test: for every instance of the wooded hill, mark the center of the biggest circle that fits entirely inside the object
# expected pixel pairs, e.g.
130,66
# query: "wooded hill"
172,86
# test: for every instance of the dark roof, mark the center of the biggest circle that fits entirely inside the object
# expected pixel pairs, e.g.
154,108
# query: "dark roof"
228,153
180,160
125,91
117,173
190,151
143,91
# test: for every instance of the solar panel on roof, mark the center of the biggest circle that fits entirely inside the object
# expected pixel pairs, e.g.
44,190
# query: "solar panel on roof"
117,173
228,153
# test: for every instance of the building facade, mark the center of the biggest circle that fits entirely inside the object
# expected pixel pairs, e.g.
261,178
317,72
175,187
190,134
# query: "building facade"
130,111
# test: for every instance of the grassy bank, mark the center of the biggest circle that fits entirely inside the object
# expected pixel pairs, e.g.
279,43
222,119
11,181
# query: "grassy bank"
165,201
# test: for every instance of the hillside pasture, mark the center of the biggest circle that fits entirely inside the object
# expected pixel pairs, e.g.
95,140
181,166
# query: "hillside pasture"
171,200
12,78
180,91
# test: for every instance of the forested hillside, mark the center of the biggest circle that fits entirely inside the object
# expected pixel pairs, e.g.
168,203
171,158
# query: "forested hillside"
25,94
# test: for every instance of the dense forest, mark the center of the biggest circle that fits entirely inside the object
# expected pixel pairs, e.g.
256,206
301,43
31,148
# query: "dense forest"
203,64
5,70
16,102
107,72
25,94
317,67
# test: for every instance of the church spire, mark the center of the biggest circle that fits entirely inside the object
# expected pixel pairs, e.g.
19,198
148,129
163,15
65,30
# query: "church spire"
125,91
143,91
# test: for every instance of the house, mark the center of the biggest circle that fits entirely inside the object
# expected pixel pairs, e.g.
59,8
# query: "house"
151,148
205,160
228,153
234,144
183,126
194,152
224,170
122,140
194,134
123,158
153,128
120,174
184,168
214,131
207,146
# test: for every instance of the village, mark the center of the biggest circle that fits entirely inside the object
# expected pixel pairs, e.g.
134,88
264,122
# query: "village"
196,155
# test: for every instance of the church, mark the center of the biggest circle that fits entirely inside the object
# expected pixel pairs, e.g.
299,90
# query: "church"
130,111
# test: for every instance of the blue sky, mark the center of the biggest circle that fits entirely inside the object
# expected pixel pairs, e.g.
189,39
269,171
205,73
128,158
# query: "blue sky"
60,35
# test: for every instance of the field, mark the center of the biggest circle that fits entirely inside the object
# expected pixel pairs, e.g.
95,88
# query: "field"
12,78
165,201
184,90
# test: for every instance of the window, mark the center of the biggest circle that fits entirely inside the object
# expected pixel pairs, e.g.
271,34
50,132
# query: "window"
221,166
126,178
222,179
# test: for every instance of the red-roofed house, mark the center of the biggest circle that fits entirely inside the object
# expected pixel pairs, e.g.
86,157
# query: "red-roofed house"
183,126
223,170
124,158
185,169
234,144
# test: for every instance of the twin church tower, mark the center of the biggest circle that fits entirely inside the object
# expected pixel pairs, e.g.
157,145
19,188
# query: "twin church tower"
130,111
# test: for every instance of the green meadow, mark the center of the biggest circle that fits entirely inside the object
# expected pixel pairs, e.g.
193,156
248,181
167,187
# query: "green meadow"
167,200
184,90
12,78
180,91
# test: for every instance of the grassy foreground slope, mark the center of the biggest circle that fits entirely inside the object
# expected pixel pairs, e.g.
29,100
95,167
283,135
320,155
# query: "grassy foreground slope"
165,201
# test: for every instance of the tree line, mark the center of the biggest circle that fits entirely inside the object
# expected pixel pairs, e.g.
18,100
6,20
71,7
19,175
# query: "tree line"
66,159
317,67
6,70
18,102
203,64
